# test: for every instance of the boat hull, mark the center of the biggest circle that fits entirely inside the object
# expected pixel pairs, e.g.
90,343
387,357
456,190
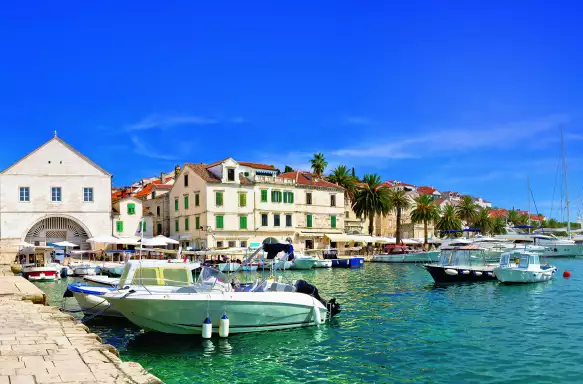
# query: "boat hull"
101,281
303,264
247,311
40,273
440,274
518,276
323,264
419,257
353,262
249,268
84,271
563,250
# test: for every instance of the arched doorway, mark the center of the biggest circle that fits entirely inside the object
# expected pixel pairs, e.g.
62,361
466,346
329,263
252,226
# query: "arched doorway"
55,229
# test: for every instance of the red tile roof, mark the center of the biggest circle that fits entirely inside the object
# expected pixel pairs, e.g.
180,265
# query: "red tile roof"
202,170
166,180
217,162
145,191
307,178
162,186
501,212
424,190
257,165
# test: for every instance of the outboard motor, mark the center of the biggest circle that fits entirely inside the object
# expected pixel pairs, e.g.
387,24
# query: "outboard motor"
302,286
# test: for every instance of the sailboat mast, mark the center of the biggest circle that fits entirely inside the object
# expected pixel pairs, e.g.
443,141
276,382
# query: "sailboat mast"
566,187
528,199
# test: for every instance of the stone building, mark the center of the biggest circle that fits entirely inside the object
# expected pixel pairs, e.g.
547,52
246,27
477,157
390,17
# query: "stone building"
53,194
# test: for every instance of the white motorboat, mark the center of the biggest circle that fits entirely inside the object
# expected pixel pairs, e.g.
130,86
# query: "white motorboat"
156,275
37,267
101,281
84,269
260,306
229,267
528,269
323,263
303,262
249,268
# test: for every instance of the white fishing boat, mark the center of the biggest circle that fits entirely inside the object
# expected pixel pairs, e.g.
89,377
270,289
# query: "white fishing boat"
84,269
303,262
528,269
37,266
323,263
101,281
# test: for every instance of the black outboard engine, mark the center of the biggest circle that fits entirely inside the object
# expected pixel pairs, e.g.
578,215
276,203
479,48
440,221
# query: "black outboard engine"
302,286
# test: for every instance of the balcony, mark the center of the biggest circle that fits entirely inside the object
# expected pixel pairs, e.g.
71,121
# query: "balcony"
272,180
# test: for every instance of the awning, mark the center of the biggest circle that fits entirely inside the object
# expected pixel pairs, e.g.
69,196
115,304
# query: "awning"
187,236
345,238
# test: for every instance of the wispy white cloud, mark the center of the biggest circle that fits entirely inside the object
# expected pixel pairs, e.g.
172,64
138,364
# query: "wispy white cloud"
450,141
141,148
165,122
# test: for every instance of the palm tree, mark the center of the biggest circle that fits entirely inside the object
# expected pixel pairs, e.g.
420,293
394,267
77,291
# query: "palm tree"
498,226
288,169
483,220
319,163
398,200
342,177
371,199
425,211
467,210
521,219
553,223
449,220
512,217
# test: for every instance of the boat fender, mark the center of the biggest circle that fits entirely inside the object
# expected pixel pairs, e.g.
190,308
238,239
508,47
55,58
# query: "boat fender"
466,272
224,326
207,328
489,274
451,272
317,316
477,273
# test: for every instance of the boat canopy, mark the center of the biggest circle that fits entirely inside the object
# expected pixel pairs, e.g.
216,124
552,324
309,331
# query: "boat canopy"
273,249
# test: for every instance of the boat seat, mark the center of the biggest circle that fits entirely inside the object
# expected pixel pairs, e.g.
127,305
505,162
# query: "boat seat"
279,287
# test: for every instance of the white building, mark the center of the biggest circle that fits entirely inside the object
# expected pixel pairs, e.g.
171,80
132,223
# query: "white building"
127,214
240,204
53,194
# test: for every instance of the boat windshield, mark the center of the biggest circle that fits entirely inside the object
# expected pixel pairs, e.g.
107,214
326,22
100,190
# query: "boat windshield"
523,261
505,259
469,257
162,275
211,278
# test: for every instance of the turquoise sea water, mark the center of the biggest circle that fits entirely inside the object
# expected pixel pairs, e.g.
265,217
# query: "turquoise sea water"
396,326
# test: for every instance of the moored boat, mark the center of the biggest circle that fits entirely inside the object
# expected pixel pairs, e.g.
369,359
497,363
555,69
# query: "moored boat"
461,264
528,270
303,262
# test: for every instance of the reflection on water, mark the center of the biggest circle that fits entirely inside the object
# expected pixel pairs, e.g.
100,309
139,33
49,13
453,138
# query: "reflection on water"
395,326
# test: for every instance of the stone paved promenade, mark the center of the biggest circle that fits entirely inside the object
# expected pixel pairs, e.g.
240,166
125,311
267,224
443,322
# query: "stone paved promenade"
39,344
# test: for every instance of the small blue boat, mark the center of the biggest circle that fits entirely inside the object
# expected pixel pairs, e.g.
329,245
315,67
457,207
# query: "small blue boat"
352,262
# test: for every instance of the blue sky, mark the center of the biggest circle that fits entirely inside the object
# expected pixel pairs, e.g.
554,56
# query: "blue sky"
457,95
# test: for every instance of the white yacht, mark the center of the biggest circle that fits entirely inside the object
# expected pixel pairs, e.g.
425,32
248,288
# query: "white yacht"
528,269
303,262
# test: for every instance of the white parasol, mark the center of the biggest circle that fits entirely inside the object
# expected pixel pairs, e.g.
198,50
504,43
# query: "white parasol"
65,244
167,239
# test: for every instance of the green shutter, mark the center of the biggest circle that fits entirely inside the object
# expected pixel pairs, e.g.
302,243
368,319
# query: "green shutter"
273,196
279,196
243,222
197,222
219,222
186,202
309,221
333,221
285,197
196,200
177,225
119,226
176,204
131,209
242,199
143,225
291,195
186,224
264,195
219,199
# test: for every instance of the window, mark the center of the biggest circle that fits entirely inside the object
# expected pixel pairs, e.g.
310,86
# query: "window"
230,174
176,204
243,244
219,244
197,199
158,211
219,222
87,194
232,244
185,201
131,209
24,193
288,197
176,225
309,198
276,220
246,174
197,222
264,195
56,194
309,221
159,228
153,194
288,220
264,220
347,214
186,224
219,199
276,196
333,221
119,226
186,180
242,222
332,200
242,199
